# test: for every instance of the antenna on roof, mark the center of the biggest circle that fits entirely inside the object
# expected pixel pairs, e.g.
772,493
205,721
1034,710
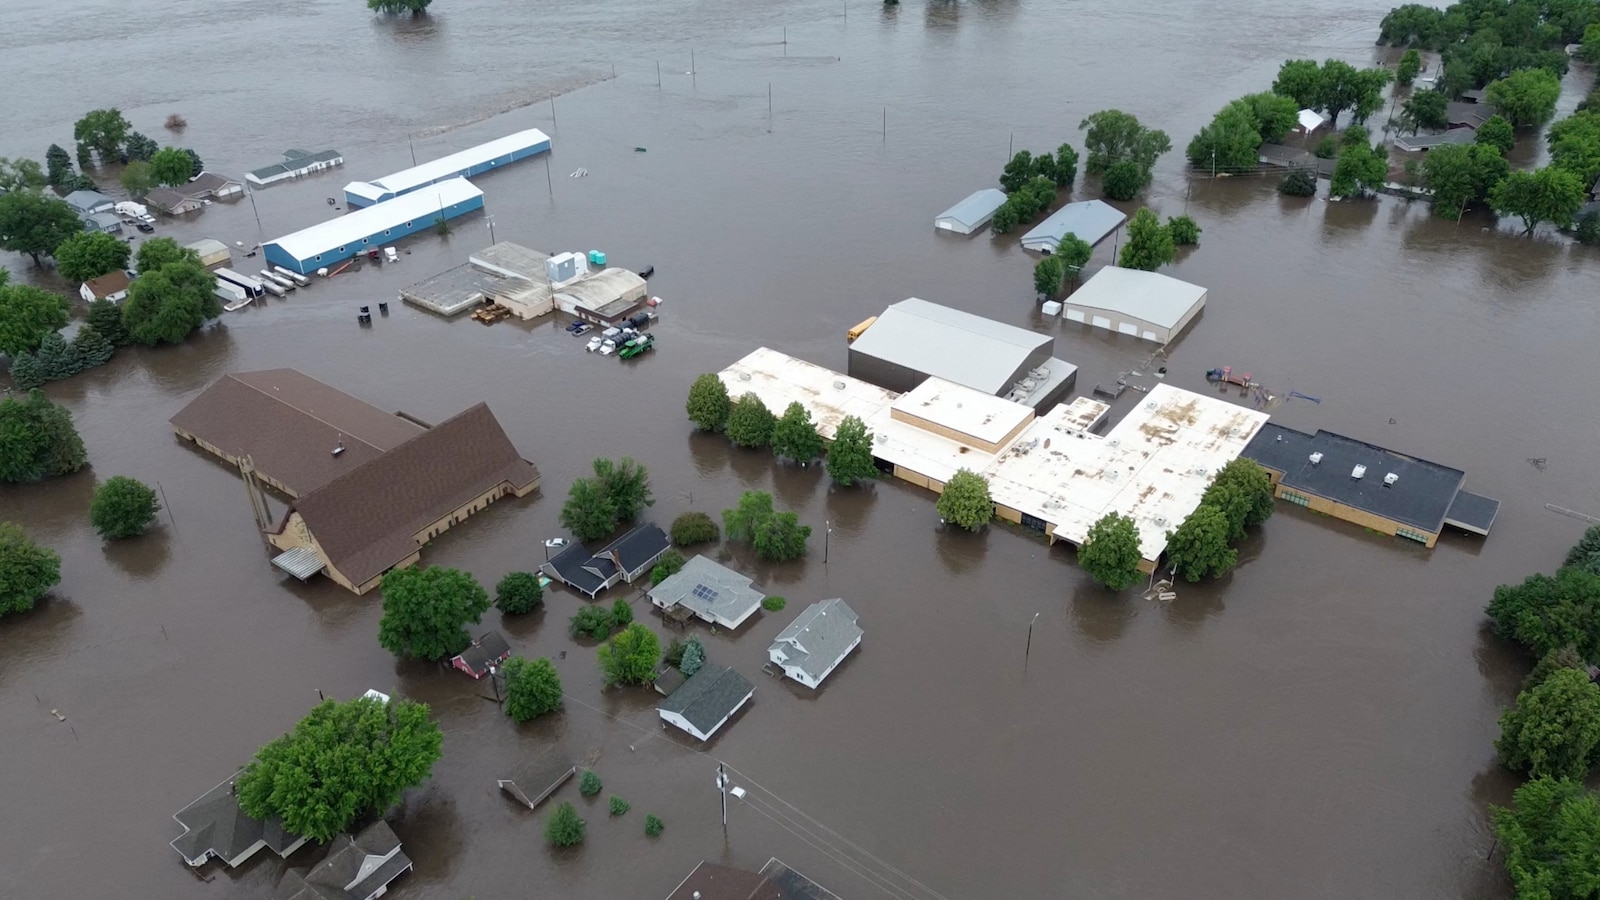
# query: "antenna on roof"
339,447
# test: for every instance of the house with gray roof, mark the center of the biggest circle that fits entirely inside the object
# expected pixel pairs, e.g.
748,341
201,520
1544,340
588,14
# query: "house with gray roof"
816,642
712,592
296,164
86,203
972,213
358,867
707,701
1427,140
1090,220
103,221
214,827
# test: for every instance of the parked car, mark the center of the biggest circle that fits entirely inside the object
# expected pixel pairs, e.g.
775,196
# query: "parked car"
144,227
583,328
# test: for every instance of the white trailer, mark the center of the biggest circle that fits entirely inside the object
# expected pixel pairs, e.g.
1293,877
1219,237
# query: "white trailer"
252,286
228,292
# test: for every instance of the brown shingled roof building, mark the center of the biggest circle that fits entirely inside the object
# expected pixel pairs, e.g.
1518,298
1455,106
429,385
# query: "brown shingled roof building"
775,881
373,505
289,424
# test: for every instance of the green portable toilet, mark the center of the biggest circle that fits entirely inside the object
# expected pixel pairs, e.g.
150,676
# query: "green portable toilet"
596,258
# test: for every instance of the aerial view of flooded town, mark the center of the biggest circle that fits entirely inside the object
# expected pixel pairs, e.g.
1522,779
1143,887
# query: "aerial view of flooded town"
824,449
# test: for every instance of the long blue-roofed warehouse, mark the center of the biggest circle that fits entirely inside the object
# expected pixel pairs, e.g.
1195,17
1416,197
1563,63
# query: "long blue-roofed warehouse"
466,163
310,249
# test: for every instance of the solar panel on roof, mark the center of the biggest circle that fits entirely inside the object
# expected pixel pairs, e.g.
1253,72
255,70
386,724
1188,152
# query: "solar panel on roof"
705,593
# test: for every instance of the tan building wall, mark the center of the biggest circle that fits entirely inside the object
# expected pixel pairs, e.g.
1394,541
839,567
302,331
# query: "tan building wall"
960,436
464,511
1341,511
230,459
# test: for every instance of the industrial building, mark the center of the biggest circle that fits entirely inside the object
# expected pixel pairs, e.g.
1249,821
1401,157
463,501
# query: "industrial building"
1147,305
913,340
1369,485
530,284
1050,472
1090,220
334,241
972,213
296,164
485,157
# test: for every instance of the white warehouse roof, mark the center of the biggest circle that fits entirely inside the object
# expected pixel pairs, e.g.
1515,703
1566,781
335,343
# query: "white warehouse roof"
954,345
433,170
1155,298
371,220
1090,220
971,213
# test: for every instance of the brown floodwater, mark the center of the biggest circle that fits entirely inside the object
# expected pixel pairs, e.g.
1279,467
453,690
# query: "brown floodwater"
1318,723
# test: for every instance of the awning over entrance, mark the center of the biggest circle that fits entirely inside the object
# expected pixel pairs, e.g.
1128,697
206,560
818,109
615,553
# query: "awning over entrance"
301,562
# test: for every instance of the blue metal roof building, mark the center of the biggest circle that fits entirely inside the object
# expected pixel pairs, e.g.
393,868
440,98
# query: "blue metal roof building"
461,164
339,239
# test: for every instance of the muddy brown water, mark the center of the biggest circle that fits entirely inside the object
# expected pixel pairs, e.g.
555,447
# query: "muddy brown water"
1316,724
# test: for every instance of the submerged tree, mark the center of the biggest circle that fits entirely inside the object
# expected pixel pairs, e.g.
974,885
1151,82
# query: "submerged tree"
27,570
123,507
1552,840
631,656
426,610
1200,545
1150,245
750,422
850,457
37,439
795,437
1110,551
1554,728
415,7
532,688
965,500
708,404
518,593
626,485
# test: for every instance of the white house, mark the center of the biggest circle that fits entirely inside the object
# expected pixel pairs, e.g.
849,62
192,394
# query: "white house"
816,642
707,701
111,286
713,592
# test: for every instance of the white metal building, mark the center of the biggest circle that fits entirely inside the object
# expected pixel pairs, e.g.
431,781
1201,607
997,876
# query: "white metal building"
1090,220
1147,305
972,213
466,163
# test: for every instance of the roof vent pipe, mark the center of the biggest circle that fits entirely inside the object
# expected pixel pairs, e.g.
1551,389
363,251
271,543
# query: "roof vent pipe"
1316,457
1358,471
1390,479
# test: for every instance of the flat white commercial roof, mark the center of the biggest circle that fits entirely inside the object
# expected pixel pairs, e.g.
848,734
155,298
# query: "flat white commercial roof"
1153,466
368,221
407,179
779,379
964,410
1159,299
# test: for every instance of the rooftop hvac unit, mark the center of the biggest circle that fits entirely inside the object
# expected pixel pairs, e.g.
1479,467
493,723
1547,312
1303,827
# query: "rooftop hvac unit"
1316,457
1358,471
839,385
1040,372
1390,479
1200,470
1029,384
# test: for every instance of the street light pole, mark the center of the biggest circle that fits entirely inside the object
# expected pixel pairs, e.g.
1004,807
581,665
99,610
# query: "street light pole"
722,788
490,220
827,532
1029,649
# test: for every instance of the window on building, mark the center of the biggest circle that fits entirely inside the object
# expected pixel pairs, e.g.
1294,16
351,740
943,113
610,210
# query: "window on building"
1296,499
1417,536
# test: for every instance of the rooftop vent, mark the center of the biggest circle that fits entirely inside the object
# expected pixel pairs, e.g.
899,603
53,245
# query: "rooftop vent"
883,438
339,449
1390,479
1316,457
839,385
1151,405
1358,471
744,376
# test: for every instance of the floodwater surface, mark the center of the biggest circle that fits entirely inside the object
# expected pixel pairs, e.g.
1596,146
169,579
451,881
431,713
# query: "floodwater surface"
1318,723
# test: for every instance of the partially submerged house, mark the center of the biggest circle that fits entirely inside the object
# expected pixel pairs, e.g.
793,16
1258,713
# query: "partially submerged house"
174,202
972,213
485,653
86,203
111,286
623,560
380,514
816,642
105,222
708,591
211,186
775,881
214,827
706,701
212,252
1424,141
357,867
296,164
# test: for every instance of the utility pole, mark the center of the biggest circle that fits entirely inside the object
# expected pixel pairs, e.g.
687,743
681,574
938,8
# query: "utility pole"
413,147
490,220
259,230
722,788
1029,649
827,532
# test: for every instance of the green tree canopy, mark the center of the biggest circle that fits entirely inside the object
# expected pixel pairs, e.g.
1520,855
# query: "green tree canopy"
1149,245
670,564
1543,195
1425,110
58,165
21,175
1408,69
416,8
1496,132
169,303
170,166
1589,50
750,423
1360,170
694,656
1301,81
27,314
1047,276
103,131
1200,545
1545,613
1526,97
780,537
1243,492
341,763
1184,230
1575,145
518,593
695,527
794,436
708,404
89,255
157,252
105,317
532,688
35,223
850,456
27,570
137,179
1275,114
1110,551
1018,169
1552,840
627,486
565,827
1585,554
1074,253
1229,143
138,148
1333,87
37,439
740,522
631,656
591,621
1123,180
1460,175
588,512
1114,136
426,610
123,507
1066,169
1554,729
965,500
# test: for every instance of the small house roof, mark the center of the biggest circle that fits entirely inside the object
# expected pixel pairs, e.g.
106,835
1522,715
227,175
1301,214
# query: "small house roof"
356,868
1310,120
87,200
108,284
166,198
215,824
709,696
710,589
820,636
1427,140
486,651
209,183
637,546
365,519
978,206
573,566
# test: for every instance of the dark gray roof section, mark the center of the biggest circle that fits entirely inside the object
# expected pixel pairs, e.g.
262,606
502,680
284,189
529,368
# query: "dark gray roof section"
976,209
356,868
1419,498
485,652
1431,139
639,546
1090,220
787,884
214,825
1469,115
709,696
573,568
1471,512
957,346
1288,157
